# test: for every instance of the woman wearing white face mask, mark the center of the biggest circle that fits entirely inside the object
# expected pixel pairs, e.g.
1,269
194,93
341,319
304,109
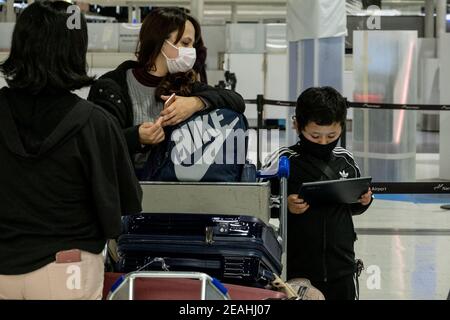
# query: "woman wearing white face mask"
183,58
135,92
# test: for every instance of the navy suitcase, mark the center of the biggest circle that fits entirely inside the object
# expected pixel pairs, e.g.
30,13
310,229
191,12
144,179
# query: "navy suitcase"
234,249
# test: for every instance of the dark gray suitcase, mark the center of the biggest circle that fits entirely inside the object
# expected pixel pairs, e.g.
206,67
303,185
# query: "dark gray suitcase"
234,249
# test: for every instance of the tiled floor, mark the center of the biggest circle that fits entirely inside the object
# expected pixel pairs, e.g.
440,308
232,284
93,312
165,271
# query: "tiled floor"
409,244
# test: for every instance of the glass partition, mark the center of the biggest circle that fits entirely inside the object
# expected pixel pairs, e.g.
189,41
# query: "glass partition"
385,71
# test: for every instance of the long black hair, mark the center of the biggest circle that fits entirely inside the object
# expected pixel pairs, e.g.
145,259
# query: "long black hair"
46,55
201,50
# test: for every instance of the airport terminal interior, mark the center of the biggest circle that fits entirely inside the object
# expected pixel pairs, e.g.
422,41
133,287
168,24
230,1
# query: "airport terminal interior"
390,59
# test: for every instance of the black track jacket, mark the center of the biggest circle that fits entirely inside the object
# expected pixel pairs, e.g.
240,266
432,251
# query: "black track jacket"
320,241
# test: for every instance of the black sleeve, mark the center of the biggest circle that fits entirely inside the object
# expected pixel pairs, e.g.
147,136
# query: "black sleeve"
132,138
115,188
219,98
357,208
107,94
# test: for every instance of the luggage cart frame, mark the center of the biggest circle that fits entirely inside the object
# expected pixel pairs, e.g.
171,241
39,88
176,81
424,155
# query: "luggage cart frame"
211,288
253,199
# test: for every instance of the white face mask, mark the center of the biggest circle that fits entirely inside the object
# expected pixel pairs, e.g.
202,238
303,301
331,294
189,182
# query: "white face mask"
184,62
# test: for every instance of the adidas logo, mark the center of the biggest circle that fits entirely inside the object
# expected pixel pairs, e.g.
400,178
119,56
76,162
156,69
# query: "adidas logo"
343,174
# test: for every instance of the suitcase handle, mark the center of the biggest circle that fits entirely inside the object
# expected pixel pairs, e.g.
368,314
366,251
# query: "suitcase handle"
209,235
164,266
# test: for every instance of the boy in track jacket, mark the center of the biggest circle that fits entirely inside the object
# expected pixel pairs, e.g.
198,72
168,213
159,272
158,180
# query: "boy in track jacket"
321,236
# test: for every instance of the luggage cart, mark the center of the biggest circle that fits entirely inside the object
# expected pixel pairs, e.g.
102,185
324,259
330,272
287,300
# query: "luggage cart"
223,198
241,198
210,289
281,203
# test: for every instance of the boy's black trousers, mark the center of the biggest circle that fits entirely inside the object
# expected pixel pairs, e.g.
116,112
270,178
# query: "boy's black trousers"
339,289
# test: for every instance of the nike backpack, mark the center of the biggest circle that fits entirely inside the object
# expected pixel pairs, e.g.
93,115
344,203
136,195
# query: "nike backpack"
211,146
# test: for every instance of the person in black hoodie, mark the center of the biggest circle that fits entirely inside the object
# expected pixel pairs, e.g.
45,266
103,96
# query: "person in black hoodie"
320,237
135,92
65,173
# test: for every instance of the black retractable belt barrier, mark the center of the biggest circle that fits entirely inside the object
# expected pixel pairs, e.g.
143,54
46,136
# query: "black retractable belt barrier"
280,103
260,110
377,187
391,106
410,187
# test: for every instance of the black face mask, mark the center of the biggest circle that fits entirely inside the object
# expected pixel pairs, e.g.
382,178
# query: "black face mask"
319,151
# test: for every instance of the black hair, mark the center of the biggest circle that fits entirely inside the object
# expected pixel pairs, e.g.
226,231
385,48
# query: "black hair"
201,51
322,105
156,28
46,55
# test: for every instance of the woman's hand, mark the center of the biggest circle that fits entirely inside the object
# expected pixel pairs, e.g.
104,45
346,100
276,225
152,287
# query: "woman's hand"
151,133
297,205
180,109
366,198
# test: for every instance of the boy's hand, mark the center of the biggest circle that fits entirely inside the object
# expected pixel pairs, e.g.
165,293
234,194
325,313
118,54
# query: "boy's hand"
297,205
366,198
